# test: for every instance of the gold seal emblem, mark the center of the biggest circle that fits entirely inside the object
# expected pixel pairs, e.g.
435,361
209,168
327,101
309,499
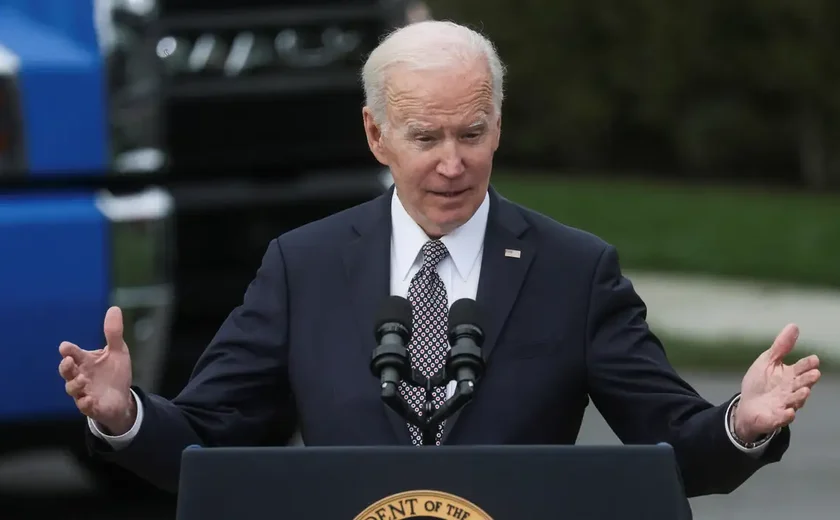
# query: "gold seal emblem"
423,504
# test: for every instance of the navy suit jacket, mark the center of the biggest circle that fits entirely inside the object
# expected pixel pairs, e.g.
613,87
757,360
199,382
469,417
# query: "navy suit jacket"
563,326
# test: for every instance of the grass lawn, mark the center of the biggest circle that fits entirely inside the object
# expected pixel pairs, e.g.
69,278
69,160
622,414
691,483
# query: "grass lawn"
723,231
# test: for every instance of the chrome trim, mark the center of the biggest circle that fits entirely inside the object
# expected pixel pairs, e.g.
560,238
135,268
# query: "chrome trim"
283,48
9,62
141,160
138,7
141,229
15,161
336,44
152,204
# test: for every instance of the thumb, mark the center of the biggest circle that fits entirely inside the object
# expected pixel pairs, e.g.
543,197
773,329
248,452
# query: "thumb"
784,343
114,329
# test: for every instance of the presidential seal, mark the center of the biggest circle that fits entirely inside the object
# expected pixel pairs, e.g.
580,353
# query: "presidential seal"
423,504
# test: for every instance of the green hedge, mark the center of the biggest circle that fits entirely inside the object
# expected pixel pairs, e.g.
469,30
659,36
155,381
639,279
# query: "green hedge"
731,356
701,229
703,88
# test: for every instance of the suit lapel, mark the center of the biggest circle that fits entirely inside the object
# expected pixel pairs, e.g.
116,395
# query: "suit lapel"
367,265
505,262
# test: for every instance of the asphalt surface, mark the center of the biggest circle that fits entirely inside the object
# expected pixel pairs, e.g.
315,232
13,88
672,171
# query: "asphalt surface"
707,309
806,484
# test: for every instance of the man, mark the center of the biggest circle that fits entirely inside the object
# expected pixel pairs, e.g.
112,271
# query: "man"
562,325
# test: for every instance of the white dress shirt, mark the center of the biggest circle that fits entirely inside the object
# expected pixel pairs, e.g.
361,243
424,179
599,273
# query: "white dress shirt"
459,270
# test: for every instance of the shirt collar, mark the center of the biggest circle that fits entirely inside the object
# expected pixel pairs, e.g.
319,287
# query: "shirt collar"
464,244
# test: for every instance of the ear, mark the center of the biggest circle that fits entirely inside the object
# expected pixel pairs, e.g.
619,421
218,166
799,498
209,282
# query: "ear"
374,137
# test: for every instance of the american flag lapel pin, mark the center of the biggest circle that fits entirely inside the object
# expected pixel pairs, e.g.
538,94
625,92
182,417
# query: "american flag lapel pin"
513,253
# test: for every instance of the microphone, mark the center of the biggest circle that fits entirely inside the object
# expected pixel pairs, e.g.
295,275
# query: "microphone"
466,337
389,361
464,363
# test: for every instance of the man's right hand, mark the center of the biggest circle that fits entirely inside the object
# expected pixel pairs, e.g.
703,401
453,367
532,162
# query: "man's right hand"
100,380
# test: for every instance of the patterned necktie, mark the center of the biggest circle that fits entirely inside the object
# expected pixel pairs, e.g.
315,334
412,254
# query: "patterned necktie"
429,344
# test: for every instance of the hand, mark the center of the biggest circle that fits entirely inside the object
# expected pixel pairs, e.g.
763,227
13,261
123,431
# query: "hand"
99,381
772,392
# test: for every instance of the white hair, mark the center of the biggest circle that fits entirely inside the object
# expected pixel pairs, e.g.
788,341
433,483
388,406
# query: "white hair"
428,45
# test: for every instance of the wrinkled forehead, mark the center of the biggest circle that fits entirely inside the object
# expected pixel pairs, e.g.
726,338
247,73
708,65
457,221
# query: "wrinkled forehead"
435,97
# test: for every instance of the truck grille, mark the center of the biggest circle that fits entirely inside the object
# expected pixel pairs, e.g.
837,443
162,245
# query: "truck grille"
267,132
220,244
265,89
191,53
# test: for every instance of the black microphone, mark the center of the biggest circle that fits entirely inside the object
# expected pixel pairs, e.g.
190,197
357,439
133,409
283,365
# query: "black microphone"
466,337
389,361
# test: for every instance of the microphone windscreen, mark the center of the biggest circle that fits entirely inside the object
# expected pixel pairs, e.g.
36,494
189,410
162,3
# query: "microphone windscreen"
396,309
464,312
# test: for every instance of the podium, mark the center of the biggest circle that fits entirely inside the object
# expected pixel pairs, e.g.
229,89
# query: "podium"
435,482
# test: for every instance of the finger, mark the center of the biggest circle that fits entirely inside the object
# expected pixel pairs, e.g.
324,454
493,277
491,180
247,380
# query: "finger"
75,388
85,404
788,416
797,399
114,329
71,350
783,345
805,364
808,379
68,368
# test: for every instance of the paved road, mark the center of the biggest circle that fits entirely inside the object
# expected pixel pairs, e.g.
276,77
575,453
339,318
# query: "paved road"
712,310
805,484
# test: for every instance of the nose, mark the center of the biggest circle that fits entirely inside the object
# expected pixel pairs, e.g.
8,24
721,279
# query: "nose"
450,164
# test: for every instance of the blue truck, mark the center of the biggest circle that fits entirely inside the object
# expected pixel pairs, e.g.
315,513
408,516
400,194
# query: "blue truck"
64,247
149,150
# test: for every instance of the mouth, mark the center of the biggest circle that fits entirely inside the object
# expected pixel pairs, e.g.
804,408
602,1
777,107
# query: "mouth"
449,194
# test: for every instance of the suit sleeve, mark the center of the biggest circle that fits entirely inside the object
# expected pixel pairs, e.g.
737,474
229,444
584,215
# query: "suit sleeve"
645,401
238,391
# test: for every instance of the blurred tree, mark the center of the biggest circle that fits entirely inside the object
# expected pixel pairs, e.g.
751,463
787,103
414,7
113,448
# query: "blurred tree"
701,87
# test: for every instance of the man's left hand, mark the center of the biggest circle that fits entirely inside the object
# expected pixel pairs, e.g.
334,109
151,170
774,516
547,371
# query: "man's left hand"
772,392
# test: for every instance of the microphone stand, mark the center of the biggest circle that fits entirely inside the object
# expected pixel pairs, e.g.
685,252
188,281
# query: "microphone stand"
431,418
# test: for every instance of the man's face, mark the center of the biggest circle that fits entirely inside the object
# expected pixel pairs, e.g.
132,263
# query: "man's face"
439,143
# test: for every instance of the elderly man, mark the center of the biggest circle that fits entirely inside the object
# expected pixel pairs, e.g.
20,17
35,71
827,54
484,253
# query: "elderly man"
562,324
